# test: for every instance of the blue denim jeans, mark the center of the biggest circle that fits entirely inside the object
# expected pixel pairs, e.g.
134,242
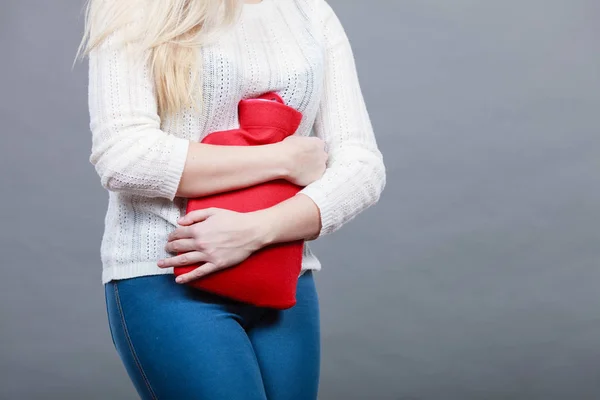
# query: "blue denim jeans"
179,343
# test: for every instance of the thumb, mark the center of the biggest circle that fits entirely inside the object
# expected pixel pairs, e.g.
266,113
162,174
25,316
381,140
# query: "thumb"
197,216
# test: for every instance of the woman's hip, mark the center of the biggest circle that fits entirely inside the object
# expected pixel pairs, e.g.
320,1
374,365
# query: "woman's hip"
165,332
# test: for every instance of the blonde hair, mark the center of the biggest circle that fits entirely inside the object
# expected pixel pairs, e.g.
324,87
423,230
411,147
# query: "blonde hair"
168,35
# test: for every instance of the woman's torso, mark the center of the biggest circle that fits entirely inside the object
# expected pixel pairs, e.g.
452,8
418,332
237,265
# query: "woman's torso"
276,46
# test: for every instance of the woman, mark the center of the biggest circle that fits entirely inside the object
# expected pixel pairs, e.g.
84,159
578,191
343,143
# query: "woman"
192,61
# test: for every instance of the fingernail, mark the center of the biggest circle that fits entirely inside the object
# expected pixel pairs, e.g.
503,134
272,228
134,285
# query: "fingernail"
161,263
178,279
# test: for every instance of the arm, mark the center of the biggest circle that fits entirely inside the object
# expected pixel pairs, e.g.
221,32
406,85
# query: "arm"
292,219
355,175
213,169
130,152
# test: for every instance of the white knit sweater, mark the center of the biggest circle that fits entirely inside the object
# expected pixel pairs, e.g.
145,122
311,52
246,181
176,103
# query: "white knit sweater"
296,47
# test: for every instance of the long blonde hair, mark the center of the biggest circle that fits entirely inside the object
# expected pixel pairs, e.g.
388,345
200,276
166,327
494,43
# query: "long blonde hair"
169,35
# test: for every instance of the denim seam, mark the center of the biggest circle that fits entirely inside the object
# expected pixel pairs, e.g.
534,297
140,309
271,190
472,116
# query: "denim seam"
130,344
110,329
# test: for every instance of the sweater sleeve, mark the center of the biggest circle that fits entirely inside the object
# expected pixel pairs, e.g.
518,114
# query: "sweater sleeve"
130,152
355,175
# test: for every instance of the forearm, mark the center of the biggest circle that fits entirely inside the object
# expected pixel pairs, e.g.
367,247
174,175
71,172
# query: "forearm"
211,169
293,219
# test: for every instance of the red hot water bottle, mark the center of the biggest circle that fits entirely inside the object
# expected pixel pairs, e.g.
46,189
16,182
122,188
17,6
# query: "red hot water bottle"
269,276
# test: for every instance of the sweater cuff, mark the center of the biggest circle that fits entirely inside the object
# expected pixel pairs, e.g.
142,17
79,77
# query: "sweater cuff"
175,167
326,209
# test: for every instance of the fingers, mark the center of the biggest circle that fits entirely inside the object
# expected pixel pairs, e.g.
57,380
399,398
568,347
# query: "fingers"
197,216
199,272
192,257
182,245
182,232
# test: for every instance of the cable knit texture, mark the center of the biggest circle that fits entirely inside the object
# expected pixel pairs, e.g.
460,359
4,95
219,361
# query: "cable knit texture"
295,47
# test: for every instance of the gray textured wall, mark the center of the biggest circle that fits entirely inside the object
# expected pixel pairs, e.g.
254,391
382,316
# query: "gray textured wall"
475,277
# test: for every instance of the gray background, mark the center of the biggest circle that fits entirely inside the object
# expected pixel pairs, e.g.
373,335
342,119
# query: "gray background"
475,277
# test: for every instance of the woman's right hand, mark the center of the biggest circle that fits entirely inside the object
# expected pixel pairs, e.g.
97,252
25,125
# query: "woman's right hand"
306,158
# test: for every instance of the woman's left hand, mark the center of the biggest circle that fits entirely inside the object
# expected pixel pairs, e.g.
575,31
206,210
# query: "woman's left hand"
216,237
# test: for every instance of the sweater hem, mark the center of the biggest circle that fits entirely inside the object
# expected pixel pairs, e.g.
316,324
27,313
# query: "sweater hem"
136,269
